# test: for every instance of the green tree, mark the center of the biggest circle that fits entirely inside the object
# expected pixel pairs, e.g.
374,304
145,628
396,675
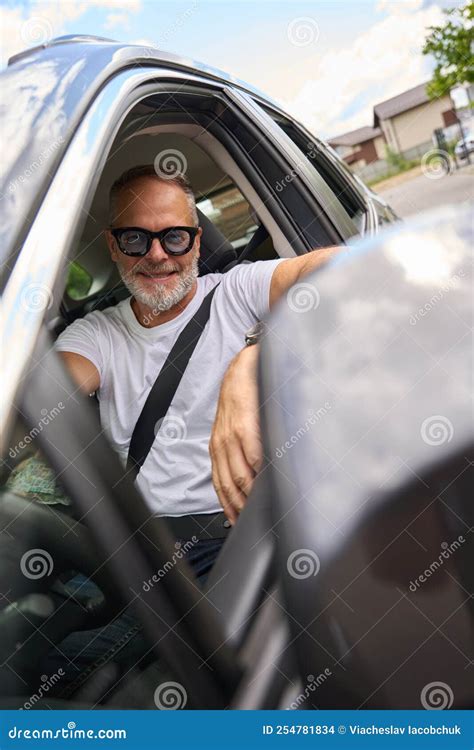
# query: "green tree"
452,46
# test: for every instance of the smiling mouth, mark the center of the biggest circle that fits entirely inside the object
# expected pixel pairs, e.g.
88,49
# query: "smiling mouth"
160,276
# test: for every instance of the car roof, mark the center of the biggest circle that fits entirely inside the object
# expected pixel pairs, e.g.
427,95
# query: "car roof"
73,47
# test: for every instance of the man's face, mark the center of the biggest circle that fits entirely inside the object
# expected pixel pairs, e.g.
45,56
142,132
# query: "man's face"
157,280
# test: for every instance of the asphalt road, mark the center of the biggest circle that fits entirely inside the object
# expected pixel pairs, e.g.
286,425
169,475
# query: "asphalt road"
428,191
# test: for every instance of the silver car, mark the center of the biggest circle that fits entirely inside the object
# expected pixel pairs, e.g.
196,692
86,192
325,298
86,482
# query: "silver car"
279,625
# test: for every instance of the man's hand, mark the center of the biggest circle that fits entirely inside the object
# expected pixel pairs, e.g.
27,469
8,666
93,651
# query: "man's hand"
235,446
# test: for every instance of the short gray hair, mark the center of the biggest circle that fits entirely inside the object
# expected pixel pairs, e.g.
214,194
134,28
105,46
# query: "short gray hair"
148,170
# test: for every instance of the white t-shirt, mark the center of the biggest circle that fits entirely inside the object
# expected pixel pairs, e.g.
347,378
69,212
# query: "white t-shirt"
175,478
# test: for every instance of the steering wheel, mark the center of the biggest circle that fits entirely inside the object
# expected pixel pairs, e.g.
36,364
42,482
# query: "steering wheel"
40,544
40,548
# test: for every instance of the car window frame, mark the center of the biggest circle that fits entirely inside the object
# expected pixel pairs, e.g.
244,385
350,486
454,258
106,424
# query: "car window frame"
299,210
80,168
306,172
360,193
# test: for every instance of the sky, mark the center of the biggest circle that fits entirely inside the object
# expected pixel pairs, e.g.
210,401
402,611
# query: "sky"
327,63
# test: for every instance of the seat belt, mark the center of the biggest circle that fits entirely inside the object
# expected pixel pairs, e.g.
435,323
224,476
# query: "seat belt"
165,386
259,236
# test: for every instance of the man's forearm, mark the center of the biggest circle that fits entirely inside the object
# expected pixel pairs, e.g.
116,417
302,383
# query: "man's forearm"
317,258
294,269
235,445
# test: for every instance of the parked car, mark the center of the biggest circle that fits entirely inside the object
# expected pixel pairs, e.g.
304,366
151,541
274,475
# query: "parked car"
465,147
78,112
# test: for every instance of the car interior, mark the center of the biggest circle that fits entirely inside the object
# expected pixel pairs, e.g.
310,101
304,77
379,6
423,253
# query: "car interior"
36,497
239,643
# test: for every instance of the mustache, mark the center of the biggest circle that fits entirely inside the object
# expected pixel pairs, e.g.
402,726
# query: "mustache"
154,268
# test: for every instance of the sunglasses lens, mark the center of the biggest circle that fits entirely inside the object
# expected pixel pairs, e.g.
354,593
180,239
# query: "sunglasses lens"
176,241
133,242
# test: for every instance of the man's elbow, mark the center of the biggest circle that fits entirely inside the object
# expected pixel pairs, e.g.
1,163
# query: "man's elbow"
83,372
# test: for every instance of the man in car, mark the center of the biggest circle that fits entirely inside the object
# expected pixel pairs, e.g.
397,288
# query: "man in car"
119,352
207,449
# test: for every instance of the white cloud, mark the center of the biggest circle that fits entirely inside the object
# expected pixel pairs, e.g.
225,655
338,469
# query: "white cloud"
131,5
142,42
380,63
117,21
23,27
395,7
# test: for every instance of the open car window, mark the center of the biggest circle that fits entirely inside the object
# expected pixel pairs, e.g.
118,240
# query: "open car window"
230,213
312,149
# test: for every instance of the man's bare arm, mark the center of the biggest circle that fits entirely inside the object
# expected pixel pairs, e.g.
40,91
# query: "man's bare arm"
235,445
83,372
292,270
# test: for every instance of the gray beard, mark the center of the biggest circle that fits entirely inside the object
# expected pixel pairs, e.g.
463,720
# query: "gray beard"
160,299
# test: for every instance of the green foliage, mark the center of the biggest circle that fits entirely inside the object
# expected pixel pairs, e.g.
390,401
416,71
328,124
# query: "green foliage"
395,160
79,281
391,173
398,162
451,145
452,47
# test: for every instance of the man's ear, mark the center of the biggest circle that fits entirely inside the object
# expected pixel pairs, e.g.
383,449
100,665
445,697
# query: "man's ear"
110,239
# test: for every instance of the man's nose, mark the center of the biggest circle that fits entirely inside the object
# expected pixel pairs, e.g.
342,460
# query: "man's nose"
156,251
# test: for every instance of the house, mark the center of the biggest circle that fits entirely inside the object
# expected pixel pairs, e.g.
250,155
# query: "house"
362,146
408,120
404,123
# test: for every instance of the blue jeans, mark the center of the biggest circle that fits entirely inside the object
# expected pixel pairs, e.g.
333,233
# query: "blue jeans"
120,641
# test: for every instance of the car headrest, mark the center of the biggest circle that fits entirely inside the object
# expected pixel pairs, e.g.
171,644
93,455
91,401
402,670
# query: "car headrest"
216,251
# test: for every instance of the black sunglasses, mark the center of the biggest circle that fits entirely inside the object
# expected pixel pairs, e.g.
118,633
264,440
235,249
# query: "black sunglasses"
137,241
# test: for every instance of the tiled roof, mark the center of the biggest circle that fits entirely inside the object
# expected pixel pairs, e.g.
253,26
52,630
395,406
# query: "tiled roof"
354,137
401,103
